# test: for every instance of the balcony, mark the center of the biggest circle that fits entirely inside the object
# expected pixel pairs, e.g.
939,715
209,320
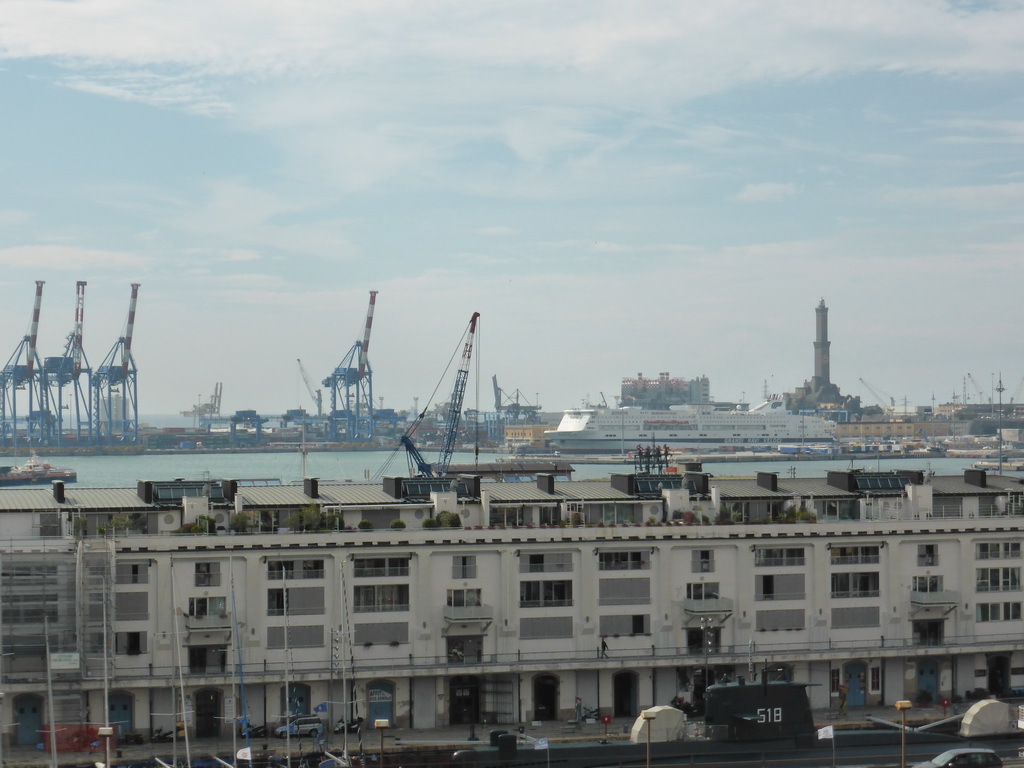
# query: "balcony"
944,601
207,622
469,614
719,607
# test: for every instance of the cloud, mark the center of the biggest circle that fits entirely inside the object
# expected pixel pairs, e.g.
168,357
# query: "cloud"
497,231
59,257
967,197
767,192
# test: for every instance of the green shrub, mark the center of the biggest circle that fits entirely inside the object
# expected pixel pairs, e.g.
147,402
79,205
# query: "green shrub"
365,525
430,522
397,524
449,520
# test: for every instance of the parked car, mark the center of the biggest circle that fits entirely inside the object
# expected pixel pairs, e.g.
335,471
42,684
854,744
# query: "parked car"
306,725
965,757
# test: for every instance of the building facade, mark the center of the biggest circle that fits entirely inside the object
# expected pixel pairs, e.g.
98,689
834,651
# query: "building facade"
207,601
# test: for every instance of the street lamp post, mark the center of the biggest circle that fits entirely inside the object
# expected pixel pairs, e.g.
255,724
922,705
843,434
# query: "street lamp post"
106,731
706,623
902,707
648,715
382,725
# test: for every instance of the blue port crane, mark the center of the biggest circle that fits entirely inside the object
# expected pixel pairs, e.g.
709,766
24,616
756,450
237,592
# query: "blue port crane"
351,385
115,396
23,373
452,419
69,379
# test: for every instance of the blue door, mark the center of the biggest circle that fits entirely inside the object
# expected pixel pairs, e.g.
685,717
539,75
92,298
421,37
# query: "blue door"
28,717
121,713
382,700
854,675
928,678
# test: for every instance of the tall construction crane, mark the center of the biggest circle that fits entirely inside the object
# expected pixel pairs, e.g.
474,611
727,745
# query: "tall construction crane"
879,398
316,394
451,426
116,419
981,393
72,371
23,373
351,386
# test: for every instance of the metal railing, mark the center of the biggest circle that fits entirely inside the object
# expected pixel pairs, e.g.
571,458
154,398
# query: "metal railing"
369,660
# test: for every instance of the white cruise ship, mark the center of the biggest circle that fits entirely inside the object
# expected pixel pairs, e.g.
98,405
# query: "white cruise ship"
597,430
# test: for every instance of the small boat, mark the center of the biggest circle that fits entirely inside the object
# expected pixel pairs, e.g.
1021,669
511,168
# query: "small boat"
35,470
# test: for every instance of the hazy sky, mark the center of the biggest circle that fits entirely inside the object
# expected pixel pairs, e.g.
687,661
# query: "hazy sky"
617,187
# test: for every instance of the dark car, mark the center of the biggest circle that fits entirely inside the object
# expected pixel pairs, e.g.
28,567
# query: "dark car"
966,757
352,726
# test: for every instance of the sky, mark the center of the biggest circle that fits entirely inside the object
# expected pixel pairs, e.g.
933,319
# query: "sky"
618,188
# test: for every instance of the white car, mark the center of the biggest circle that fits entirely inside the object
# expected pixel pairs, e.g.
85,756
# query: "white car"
306,725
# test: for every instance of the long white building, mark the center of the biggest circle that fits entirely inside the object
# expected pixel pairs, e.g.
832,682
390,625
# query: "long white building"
269,600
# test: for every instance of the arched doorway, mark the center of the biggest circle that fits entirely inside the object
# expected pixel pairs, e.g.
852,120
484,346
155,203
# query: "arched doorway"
121,713
208,709
624,694
381,694
998,674
854,675
545,697
464,699
28,719
295,701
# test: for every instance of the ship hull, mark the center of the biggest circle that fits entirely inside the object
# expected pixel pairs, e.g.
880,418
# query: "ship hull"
7,480
607,430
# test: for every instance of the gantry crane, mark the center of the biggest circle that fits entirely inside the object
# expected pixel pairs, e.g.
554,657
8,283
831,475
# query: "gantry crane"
451,426
351,385
71,371
116,419
23,373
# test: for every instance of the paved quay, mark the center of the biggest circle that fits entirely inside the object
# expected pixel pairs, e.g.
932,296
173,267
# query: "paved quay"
444,738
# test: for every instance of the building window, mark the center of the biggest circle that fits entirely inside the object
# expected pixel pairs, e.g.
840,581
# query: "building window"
769,556
132,573
927,555
855,555
206,606
207,574
703,561
998,579
541,594
366,567
779,586
461,598
381,598
130,643
997,550
295,601
927,584
287,570
997,612
702,591
623,561
552,562
464,567
855,584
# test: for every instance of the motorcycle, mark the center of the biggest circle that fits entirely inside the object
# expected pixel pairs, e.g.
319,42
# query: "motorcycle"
161,735
255,731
